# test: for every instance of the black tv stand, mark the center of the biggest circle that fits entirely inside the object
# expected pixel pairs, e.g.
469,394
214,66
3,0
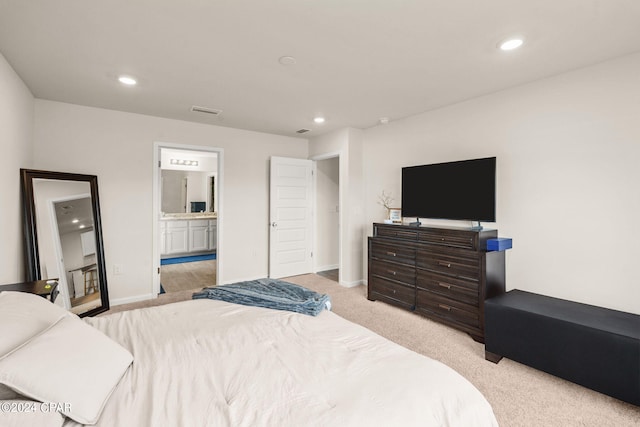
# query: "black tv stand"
417,223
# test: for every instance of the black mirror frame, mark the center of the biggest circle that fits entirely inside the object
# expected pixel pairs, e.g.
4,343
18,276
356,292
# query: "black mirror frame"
32,264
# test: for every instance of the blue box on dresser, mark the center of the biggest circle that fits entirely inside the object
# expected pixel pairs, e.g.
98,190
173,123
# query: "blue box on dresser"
499,244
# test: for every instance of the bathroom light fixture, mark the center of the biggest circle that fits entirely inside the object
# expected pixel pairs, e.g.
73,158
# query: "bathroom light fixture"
127,80
183,162
319,120
511,44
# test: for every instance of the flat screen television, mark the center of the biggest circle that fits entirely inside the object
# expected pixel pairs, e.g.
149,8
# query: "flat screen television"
461,190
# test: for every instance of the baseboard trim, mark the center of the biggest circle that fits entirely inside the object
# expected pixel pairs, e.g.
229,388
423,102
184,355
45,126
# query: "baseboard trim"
352,284
327,267
127,300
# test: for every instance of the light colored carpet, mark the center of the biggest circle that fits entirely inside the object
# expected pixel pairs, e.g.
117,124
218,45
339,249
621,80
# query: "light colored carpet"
188,275
519,395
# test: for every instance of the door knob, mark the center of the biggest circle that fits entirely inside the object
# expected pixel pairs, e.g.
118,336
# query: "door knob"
274,224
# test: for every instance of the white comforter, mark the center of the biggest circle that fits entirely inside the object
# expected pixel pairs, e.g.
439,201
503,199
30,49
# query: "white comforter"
211,363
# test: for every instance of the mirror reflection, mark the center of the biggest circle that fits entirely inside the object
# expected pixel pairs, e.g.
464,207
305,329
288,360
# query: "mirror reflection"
187,191
66,245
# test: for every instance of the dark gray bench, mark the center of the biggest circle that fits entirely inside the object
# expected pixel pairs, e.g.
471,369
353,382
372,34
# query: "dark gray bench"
592,346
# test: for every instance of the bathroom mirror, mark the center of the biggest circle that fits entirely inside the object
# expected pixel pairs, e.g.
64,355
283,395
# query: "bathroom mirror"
187,191
63,238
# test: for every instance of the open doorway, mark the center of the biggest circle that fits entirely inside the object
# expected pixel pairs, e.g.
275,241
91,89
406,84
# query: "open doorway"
327,260
187,208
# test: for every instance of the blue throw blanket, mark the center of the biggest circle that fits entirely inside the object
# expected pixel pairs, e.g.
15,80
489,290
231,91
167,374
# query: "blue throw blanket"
269,293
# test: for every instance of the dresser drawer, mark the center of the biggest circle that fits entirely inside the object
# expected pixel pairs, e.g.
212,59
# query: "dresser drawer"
395,231
454,263
466,291
451,238
385,250
393,271
447,309
387,290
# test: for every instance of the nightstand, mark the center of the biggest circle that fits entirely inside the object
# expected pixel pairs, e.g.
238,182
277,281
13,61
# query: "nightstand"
45,288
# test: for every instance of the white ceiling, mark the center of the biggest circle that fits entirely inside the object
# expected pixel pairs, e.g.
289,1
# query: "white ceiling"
357,60
70,210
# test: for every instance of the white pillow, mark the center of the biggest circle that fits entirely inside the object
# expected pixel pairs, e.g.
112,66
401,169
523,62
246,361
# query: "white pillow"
69,363
7,394
20,413
23,316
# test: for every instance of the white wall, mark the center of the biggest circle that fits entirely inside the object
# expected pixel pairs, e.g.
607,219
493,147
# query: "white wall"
90,140
568,171
16,139
327,214
348,144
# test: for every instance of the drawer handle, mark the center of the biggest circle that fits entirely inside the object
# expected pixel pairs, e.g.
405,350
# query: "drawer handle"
444,264
391,253
443,239
444,285
393,273
444,307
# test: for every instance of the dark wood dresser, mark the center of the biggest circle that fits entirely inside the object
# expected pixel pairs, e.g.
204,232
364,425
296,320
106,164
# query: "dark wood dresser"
444,274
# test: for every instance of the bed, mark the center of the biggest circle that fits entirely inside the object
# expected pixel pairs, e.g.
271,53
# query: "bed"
214,363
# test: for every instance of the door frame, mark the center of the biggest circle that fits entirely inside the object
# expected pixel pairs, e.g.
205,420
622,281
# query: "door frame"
316,158
155,209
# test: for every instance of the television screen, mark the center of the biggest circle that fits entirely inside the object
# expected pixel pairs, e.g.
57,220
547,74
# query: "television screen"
462,190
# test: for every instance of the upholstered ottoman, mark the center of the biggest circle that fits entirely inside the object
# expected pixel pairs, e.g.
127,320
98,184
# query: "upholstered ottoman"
592,346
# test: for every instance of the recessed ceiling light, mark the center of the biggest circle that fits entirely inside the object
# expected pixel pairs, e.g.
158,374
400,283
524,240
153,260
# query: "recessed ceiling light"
126,80
319,120
511,44
75,221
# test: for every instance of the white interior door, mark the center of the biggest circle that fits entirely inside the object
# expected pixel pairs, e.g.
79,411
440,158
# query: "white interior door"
291,222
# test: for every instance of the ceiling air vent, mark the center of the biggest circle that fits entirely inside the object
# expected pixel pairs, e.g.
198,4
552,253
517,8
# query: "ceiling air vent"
302,130
205,110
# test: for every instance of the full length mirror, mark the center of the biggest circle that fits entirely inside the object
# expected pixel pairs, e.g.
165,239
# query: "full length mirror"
64,238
